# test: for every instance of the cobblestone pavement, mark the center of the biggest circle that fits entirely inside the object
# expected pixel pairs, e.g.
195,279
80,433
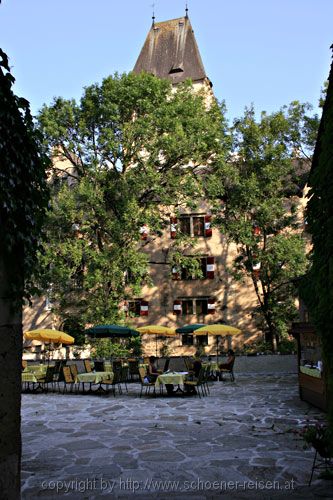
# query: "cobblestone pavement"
235,443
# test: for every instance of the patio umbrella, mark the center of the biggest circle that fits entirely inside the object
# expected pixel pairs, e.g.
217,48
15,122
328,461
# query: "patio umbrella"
157,330
49,336
189,328
111,331
217,330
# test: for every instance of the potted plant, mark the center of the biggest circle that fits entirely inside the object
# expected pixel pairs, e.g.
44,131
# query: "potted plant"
318,436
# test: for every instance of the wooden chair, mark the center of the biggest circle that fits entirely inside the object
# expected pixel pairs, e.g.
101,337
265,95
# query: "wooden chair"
197,384
87,365
115,382
133,369
58,375
146,385
48,379
229,371
68,379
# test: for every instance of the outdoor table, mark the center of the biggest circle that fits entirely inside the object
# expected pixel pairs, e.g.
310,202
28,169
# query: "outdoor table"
34,378
175,378
94,377
41,369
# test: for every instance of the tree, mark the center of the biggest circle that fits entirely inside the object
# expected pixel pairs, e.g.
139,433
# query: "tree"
135,146
257,208
23,195
317,288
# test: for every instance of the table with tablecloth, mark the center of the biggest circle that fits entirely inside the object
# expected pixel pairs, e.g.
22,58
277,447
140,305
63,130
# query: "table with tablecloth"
175,378
94,377
32,377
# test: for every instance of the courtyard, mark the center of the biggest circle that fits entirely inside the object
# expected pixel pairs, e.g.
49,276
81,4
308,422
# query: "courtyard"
238,442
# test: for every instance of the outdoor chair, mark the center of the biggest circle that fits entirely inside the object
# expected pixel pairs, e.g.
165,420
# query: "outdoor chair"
197,384
48,379
229,371
133,369
146,385
58,373
124,376
115,382
99,366
116,365
188,363
87,365
68,379
206,378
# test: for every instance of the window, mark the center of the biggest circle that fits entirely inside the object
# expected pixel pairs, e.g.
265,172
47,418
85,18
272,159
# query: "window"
202,340
187,339
187,307
198,226
192,225
133,308
207,266
199,306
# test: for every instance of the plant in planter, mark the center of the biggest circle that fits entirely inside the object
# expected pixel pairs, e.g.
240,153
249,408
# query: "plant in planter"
318,436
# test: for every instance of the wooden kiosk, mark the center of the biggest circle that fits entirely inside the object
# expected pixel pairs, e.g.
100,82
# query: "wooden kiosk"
311,372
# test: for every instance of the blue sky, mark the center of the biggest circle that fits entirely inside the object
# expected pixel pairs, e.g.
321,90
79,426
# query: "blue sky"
266,52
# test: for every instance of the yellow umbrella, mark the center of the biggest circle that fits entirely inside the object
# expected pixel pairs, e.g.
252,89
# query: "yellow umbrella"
163,331
48,335
217,330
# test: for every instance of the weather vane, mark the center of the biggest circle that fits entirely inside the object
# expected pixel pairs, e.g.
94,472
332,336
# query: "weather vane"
186,9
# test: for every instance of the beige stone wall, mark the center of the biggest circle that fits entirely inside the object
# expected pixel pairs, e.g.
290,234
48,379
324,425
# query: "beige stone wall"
234,302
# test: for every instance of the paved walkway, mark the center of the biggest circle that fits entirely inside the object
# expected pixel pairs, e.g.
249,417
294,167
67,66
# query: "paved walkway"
235,443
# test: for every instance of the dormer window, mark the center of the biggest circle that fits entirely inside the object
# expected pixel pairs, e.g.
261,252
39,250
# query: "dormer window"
175,70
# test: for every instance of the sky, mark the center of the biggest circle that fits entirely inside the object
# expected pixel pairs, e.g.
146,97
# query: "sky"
265,52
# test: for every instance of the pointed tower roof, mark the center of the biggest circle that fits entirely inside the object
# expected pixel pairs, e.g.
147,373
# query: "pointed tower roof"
171,51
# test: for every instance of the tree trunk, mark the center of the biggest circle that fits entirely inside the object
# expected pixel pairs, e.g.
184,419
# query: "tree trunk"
10,383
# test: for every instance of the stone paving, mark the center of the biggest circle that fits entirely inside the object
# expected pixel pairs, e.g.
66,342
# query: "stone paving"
235,443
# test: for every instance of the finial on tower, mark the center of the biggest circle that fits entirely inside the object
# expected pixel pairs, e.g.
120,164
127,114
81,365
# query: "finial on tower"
153,16
186,10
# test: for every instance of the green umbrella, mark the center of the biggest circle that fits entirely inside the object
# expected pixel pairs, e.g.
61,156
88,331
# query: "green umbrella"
111,331
189,328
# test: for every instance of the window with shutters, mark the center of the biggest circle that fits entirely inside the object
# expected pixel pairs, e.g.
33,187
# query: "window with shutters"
187,307
206,265
133,308
194,225
198,226
199,306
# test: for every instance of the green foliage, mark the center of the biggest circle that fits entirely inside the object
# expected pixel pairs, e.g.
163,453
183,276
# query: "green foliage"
76,329
257,208
134,345
126,144
318,436
165,350
23,191
317,289
105,348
